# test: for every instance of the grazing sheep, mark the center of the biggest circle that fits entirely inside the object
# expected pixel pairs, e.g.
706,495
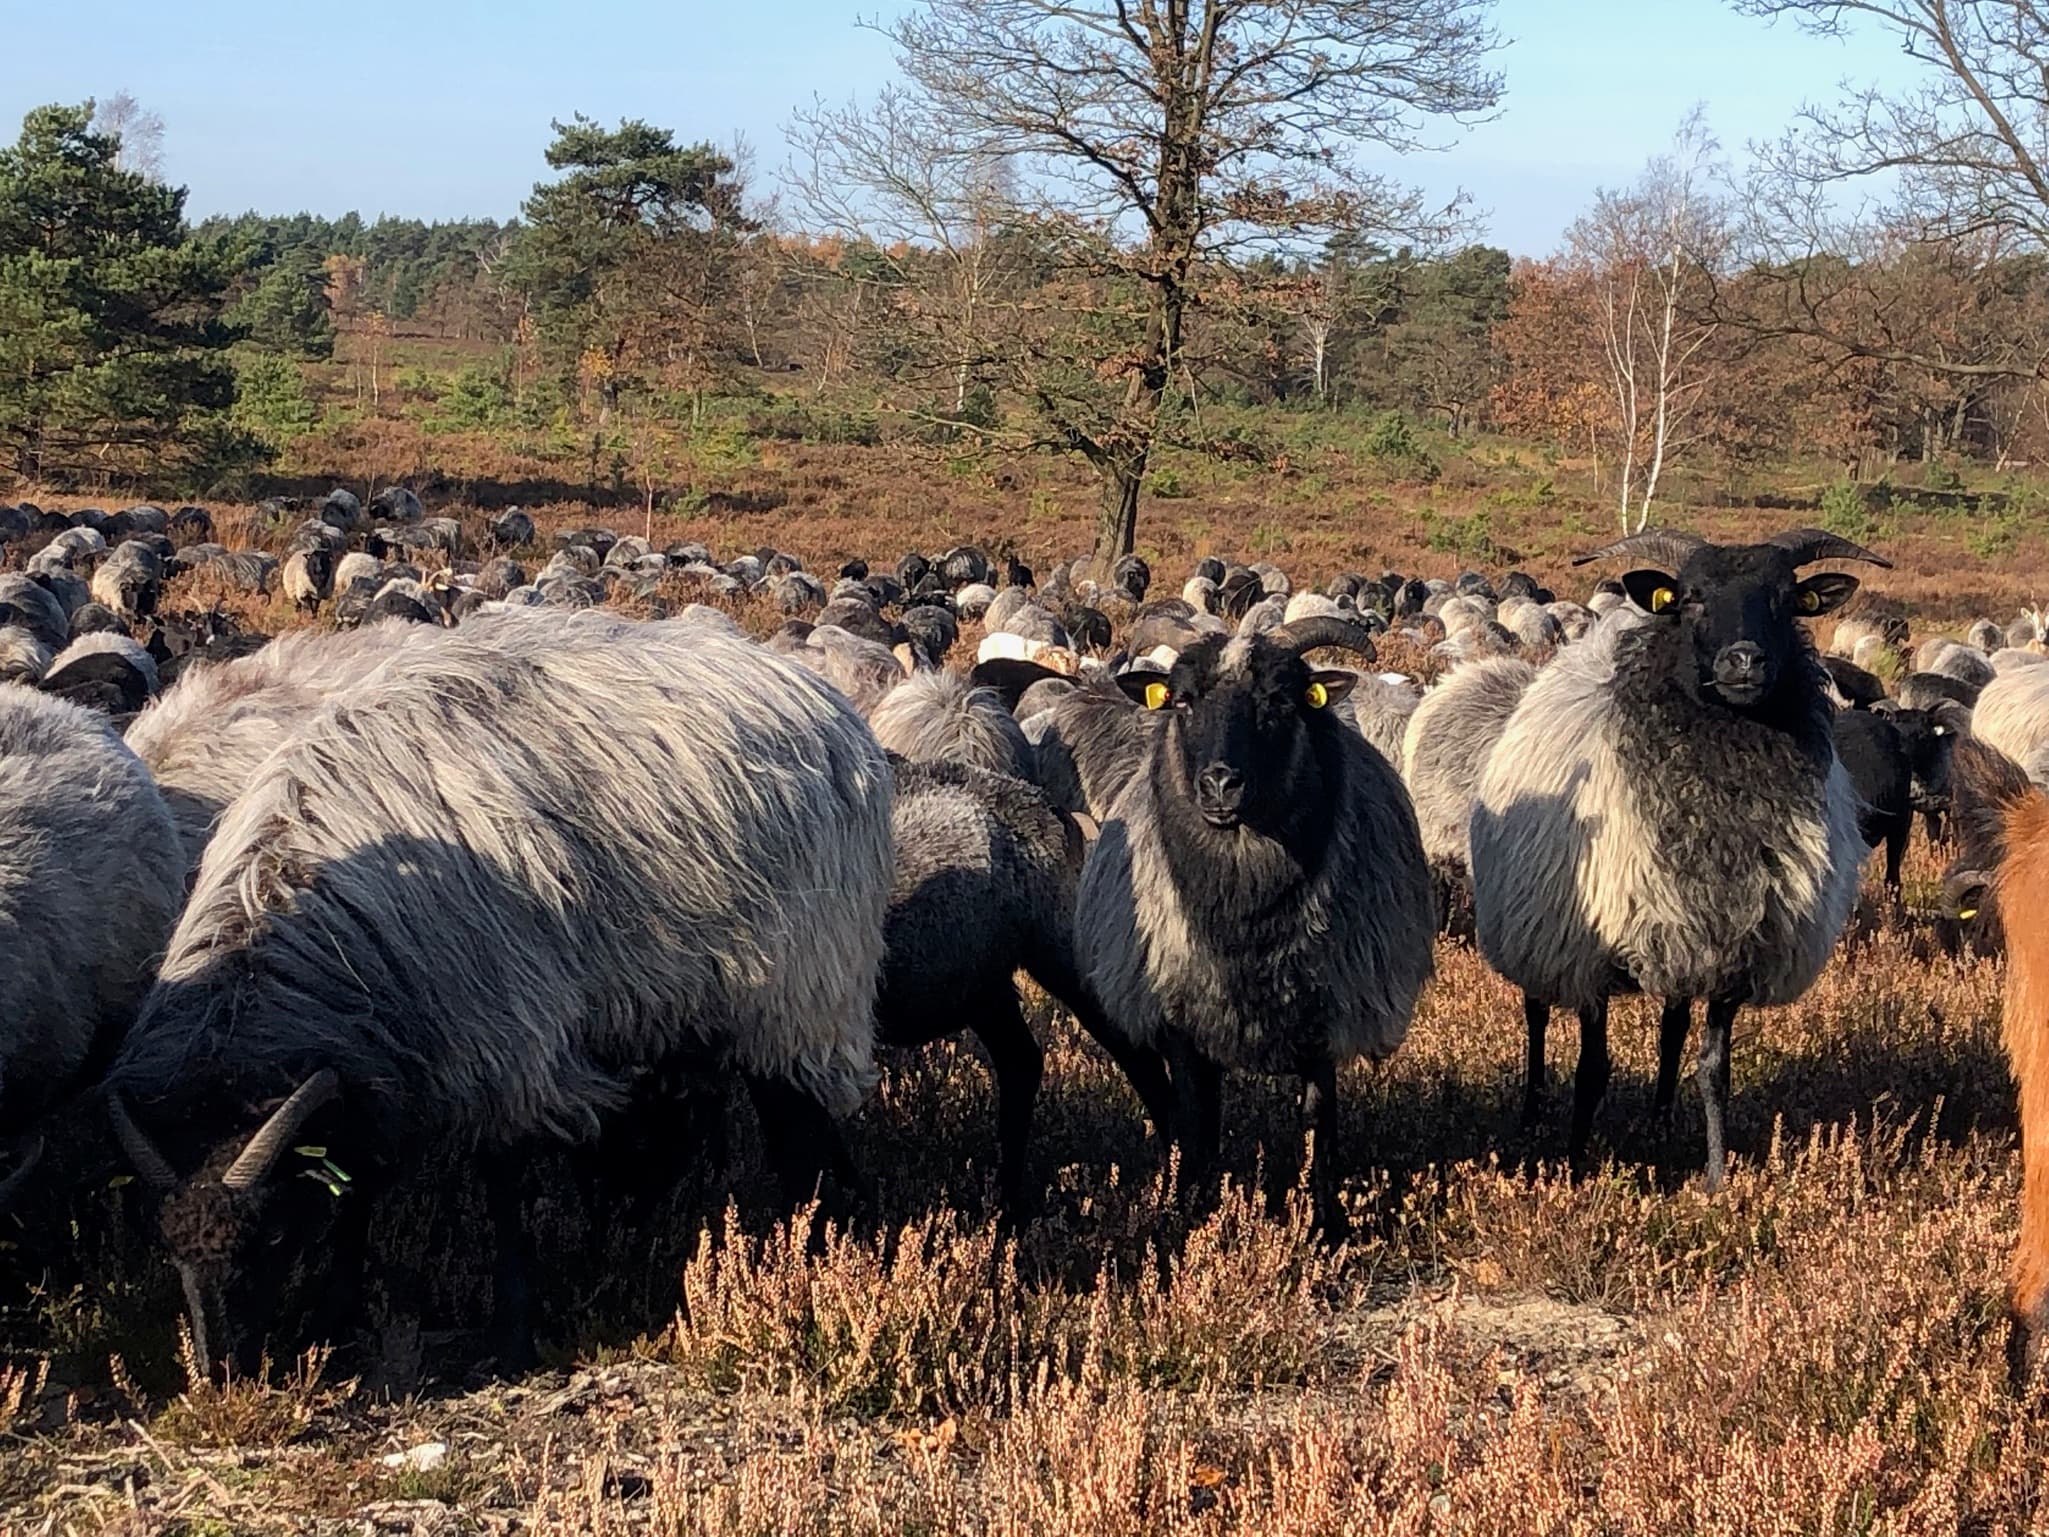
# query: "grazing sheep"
1382,706
1928,690
661,851
309,578
986,877
1665,810
1954,659
92,880
1443,752
129,581
2003,830
938,717
1258,896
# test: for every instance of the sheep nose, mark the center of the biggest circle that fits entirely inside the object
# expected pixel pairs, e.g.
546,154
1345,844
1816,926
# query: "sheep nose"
1220,785
1743,660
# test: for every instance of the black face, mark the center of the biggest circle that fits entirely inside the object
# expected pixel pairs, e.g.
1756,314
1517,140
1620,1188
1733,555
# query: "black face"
1239,732
1738,608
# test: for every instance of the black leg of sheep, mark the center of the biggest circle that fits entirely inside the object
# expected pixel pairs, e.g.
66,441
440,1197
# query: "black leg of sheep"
1536,1021
1320,1116
1019,1066
1590,1080
1198,1113
1713,1073
512,1327
804,1149
1674,1025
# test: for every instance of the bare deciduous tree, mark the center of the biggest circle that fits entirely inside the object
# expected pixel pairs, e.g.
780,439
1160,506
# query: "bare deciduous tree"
141,132
1649,250
1159,133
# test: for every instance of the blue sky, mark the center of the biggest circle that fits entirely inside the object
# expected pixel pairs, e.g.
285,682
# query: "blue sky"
439,109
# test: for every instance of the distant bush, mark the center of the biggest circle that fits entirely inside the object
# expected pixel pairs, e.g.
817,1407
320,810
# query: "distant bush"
477,398
271,399
1393,441
1166,484
1846,511
796,421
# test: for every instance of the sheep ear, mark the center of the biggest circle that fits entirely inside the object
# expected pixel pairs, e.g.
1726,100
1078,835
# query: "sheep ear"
1140,683
1654,592
1328,687
1823,594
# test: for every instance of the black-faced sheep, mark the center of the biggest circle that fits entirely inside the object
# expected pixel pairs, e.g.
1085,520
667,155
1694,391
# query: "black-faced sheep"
1665,811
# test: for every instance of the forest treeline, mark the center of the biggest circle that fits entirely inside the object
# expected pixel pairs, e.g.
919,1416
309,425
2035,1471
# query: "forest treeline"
967,260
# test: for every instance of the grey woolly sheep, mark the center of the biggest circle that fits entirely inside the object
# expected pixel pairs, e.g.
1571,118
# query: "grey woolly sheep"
865,671
1953,659
1443,752
1574,619
395,504
129,580
2012,717
660,852
1381,708
1665,810
90,863
26,604
1986,636
2008,658
937,717
204,739
975,600
1258,896
308,578
1926,690
986,876
24,657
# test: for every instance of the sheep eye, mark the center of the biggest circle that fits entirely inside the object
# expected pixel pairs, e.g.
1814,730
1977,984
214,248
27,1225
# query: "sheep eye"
1663,599
1316,696
1156,695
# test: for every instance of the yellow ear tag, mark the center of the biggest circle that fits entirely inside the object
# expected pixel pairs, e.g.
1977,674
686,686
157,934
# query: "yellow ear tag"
1318,696
1966,914
1810,602
1663,599
1155,696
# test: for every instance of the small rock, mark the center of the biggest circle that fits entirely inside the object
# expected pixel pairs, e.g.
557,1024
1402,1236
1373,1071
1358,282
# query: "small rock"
424,1458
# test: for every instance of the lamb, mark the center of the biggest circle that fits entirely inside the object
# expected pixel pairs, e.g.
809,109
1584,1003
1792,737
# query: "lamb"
1621,832
939,717
1258,896
661,851
93,877
986,877
1443,751
2003,829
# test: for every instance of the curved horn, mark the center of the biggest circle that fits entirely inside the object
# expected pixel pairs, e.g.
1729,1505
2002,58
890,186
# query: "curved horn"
155,1169
22,1170
276,1134
1318,630
1666,546
1807,545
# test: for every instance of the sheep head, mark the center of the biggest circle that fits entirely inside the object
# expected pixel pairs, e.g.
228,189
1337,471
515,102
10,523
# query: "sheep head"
1243,719
1737,608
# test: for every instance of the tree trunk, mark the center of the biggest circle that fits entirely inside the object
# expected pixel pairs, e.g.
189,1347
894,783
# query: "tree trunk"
1117,515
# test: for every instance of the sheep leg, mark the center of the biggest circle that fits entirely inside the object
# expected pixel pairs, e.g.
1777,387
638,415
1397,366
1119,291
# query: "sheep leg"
340,1308
1590,1079
512,1329
1143,1065
1536,1020
803,1146
1019,1066
1320,1114
1674,1025
1199,1111
1895,851
1713,1073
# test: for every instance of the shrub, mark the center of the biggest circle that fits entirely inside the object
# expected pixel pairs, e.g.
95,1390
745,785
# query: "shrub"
475,399
1393,442
1846,511
271,398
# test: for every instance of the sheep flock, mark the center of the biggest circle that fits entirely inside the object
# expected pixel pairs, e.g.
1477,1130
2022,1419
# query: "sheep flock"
524,845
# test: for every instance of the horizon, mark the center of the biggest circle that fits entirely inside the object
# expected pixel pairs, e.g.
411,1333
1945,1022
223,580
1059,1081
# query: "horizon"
1584,105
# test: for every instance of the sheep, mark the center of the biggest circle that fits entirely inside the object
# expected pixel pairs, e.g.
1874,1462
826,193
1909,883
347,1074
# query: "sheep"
1258,895
204,739
986,877
1665,810
129,580
1953,659
2011,658
2003,832
1927,690
1382,705
106,671
865,671
1874,754
1442,753
660,851
939,717
91,869
2012,717
309,578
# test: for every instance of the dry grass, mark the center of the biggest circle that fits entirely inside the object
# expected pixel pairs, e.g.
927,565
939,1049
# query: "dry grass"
1819,1349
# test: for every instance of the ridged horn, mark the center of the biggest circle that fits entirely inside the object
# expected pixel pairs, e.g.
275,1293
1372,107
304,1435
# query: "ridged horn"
1665,546
25,1167
1807,545
276,1134
155,1169
1314,631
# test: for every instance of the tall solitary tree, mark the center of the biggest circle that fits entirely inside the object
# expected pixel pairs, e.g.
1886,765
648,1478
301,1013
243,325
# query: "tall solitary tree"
112,348
1165,135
